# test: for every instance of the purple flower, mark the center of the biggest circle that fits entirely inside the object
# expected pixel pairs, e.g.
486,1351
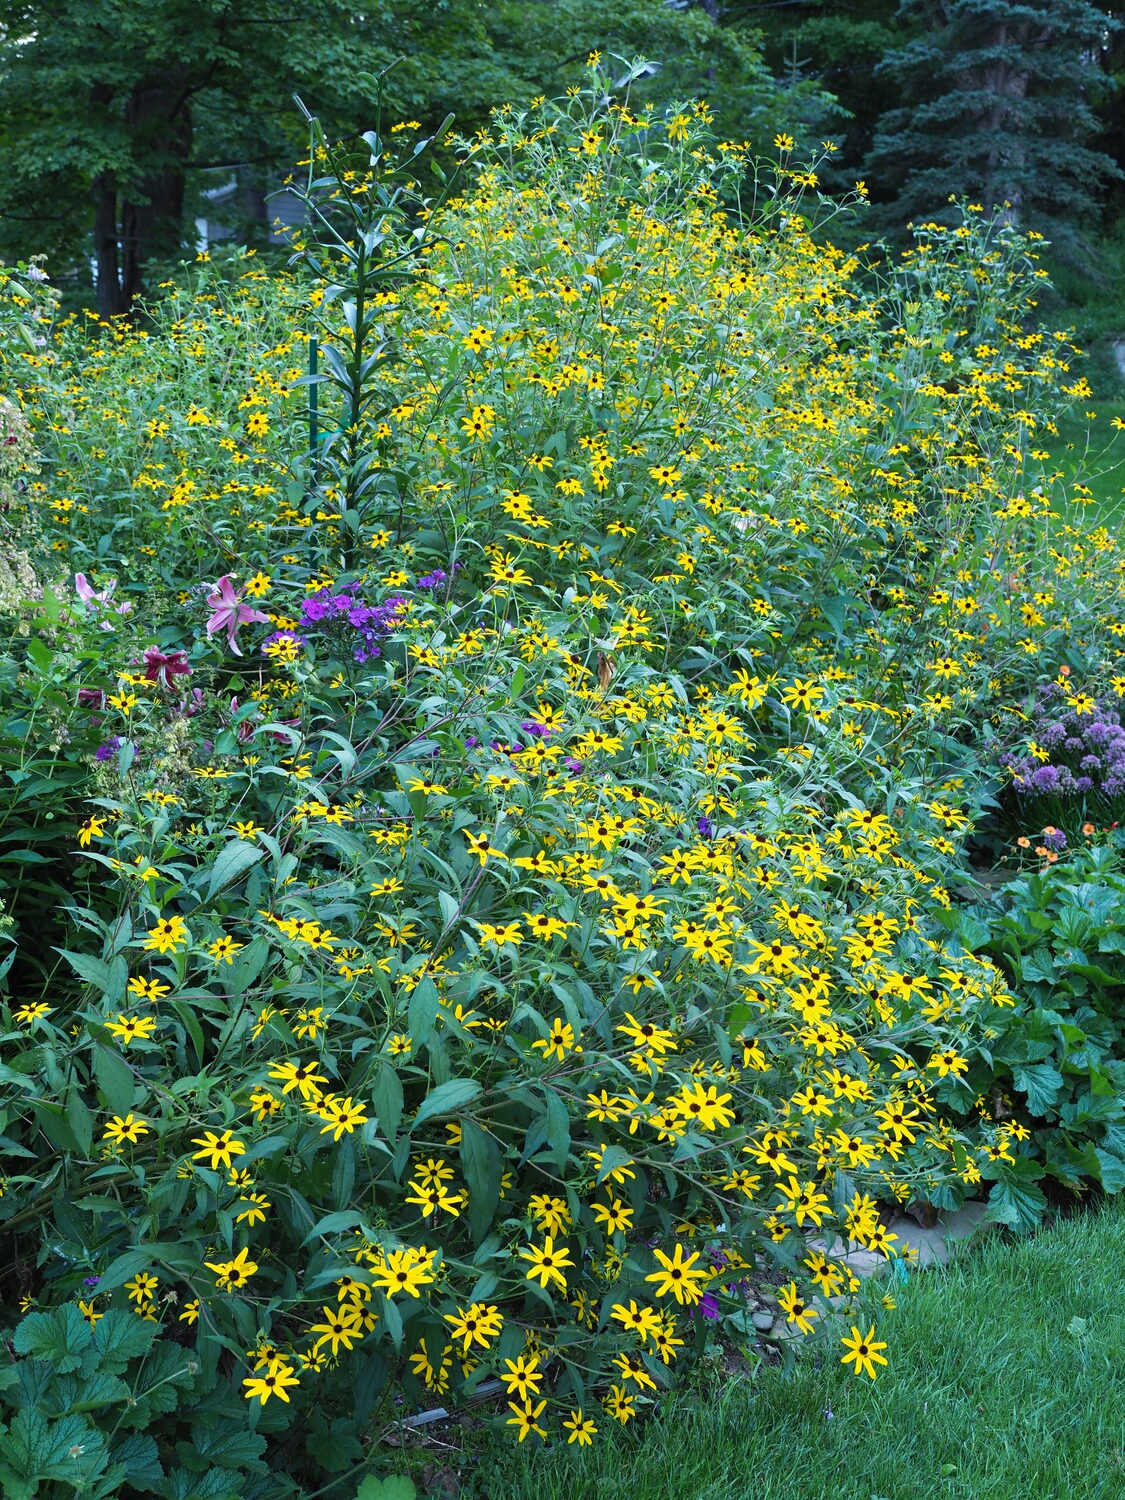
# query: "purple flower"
345,616
709,1306
706,827
110,748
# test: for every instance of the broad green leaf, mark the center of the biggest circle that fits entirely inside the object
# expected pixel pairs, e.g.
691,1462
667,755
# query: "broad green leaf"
137,1453
386,1100
422,1012
1019,1205
234,860
447,1099
114,1078
393,1487
483,1167
60,1336
120,1337
1041,1083
1112,1171
91,969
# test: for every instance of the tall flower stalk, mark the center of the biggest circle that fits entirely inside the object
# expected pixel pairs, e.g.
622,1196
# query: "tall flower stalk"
367,228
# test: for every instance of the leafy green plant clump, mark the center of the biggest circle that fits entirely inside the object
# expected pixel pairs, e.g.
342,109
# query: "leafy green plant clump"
521,793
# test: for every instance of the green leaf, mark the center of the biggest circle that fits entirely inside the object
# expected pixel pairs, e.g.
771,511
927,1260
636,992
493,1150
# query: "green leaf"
137,1453
1041,1083
55,1126
1019,1205
127,1265
114,1078
92,970
217,1484
1037,968
612,1156
422,1013
68,1450
234,860
447,1098
483,1166
60,1336
558,1128
386,1099
1112,1171
224,1442
335,1223
120,1337
81,1121
393,1487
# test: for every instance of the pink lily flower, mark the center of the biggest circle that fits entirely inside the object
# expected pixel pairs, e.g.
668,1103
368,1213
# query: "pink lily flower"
162,667
88,595
229,611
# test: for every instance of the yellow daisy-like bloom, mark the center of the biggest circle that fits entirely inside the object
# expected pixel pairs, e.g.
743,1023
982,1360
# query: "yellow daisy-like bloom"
278,1380
128,1029
678,1276
546,1263
233,1274
219,1150
862,1352
167,935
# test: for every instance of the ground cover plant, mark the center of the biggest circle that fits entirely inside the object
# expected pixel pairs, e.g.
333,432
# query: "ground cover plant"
983,1405
528,675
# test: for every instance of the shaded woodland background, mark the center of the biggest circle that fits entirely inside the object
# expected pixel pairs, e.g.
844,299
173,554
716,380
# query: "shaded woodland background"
128,127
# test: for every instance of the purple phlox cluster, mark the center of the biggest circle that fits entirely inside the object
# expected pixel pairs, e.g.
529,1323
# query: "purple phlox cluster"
438,577
1054,839
349,618
1074,753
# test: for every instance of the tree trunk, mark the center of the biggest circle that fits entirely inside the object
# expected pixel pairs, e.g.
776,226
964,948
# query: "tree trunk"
103,190
159,119
107,273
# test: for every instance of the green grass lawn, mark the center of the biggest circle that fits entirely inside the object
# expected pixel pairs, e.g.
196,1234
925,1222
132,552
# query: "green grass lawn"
1006,1382
1092,452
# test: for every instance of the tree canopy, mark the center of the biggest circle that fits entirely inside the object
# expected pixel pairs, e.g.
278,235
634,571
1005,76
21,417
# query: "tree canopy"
117,116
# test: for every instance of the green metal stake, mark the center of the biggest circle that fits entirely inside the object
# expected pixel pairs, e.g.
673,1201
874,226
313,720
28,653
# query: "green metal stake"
314,433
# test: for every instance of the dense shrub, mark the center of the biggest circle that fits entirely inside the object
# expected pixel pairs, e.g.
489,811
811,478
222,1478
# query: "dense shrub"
525,790
1051,1076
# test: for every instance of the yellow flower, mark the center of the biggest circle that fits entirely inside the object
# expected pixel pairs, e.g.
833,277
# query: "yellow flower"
278,1380
235,1273
127,1131
546,1263
678,1276
167,935
127,1029
862,1351
93,828
221,1149
497,937
582,1429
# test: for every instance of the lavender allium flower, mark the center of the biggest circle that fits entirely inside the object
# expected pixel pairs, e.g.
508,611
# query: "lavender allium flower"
1070,753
